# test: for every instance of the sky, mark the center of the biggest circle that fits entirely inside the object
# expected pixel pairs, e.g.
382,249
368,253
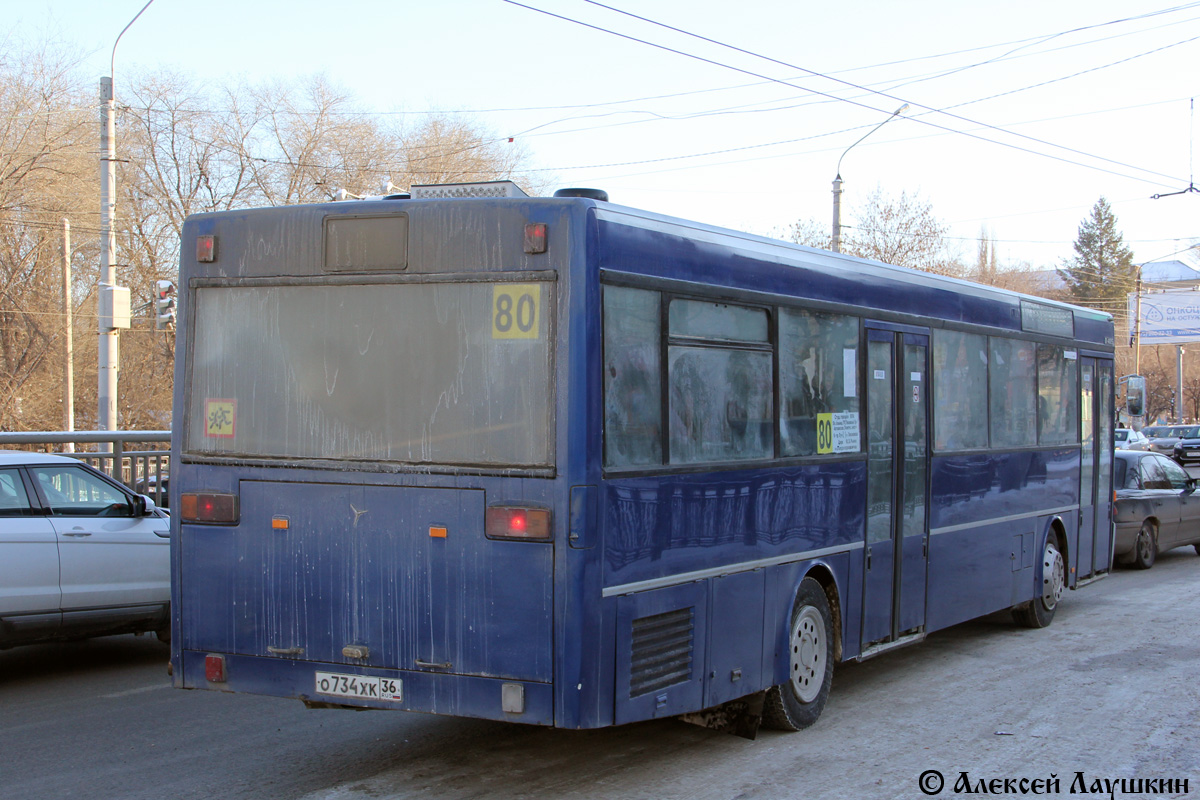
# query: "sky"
1020,116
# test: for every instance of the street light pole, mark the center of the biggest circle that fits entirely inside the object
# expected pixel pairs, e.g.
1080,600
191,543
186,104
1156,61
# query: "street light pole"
837,181
109,349
110,342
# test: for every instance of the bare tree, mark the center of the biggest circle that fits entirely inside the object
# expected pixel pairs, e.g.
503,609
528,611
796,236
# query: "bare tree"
902,231
44,176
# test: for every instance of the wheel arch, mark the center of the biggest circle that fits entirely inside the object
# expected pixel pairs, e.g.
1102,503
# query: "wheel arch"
1058,529
823,575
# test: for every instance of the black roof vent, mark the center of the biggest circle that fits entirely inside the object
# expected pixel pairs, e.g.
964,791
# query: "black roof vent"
590,194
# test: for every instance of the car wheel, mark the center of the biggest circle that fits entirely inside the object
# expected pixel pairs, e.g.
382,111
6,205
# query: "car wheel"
1197,547
1145,548
1039,612
798,703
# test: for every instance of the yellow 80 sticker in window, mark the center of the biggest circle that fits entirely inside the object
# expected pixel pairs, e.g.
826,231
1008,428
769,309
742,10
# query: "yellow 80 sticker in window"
515,310
824,433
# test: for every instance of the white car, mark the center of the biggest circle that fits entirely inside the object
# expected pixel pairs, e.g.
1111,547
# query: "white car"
1129,439
80,554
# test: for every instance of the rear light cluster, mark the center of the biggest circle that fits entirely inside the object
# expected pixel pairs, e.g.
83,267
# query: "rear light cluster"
513,522
208,508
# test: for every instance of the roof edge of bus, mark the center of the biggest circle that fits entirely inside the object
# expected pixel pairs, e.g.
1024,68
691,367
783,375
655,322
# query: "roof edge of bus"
843,259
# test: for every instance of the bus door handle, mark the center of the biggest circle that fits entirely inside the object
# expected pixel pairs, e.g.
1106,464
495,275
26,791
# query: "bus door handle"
868,559
444,665
285,651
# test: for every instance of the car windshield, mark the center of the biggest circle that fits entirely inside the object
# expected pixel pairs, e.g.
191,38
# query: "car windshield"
1184,431
1154,433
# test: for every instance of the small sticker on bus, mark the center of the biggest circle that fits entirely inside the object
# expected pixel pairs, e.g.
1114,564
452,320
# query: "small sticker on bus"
220,418
515,310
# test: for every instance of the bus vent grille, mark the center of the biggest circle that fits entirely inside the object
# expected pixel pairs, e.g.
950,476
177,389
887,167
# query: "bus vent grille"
661,655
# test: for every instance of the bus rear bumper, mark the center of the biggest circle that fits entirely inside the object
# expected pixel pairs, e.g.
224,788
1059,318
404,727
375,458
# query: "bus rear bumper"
345,685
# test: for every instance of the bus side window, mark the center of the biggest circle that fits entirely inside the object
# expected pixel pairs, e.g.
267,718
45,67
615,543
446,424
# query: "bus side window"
818,374
1013,399
719,370
632,378
960,364
1058,396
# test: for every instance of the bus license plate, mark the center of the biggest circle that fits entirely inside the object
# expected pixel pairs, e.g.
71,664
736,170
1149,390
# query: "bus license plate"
359,687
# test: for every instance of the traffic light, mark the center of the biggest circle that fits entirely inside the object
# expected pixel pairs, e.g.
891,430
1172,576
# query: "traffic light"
164,306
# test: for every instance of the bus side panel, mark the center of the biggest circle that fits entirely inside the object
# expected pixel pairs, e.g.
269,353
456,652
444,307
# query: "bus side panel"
979,525
661,642
656,527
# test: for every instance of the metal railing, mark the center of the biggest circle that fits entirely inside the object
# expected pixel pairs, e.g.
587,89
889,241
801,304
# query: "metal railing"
145,469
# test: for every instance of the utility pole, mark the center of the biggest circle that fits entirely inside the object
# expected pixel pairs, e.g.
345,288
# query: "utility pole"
110,342
837,213
113,300
68,340
1179,382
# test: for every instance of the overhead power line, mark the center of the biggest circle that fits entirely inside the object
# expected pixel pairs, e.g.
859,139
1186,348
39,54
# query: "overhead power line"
814,73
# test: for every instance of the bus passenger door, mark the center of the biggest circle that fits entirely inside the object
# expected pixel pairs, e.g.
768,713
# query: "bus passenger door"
1084,555
896,550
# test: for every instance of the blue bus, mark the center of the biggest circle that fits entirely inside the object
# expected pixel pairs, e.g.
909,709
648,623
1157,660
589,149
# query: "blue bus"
562,462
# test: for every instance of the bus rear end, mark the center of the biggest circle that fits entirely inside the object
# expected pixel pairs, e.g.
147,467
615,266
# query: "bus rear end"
365,477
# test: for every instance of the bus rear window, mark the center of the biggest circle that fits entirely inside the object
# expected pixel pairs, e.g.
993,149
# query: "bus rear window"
428,373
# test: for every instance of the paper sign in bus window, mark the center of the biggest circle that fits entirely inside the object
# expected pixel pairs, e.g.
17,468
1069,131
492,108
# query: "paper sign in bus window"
515,310
220,417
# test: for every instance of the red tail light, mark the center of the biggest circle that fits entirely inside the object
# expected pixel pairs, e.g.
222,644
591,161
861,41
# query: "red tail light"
514,522
208,508
214,668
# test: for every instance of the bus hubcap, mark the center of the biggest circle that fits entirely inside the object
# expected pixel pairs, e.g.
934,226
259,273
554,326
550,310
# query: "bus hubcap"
808,654
1053,577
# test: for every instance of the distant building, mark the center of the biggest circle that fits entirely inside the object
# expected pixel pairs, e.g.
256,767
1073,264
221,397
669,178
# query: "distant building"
1156,275
1170,275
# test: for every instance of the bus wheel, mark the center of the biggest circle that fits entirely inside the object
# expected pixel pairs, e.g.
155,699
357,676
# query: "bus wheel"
1039,611
798,703
1145,548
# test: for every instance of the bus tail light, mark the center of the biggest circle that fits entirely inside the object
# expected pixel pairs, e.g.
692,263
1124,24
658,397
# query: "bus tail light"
206,249
514,522
214,668
208,508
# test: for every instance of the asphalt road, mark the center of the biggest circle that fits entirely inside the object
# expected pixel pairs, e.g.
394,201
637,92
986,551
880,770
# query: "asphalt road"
1110,690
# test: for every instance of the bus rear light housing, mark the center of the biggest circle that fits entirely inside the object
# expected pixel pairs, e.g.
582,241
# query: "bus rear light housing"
206,249
208,508
214,668
517,522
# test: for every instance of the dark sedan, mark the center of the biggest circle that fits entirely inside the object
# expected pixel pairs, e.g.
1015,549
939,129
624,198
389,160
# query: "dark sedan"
1157,508
1187,449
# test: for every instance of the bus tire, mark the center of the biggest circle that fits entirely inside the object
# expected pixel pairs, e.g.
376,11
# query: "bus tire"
1039,612
798,703
1145,548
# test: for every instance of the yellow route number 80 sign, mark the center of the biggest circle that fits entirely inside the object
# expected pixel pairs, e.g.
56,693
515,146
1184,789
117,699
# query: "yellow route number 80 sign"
824,433
515,310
